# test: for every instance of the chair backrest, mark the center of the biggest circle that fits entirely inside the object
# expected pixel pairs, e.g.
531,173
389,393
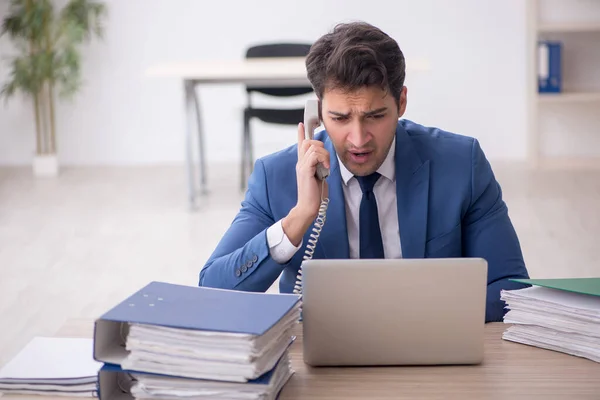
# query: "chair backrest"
279,50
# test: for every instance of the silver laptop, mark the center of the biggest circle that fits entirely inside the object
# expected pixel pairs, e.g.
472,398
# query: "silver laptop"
394,311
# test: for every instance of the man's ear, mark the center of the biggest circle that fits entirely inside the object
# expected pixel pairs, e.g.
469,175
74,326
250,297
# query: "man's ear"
403,100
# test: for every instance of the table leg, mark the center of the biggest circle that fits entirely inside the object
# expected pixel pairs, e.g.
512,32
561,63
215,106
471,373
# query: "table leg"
189,119
201,151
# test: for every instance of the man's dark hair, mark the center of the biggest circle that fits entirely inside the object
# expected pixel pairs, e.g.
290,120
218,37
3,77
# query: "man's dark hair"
354,55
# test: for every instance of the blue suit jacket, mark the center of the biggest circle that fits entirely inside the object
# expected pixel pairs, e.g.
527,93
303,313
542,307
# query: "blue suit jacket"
449,205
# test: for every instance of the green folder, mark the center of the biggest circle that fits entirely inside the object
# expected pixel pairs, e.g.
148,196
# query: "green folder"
589,286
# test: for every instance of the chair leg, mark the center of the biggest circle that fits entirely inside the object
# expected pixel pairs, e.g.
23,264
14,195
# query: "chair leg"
245,144
250,151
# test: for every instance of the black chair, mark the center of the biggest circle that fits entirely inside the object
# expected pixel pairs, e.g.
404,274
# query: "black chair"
270,115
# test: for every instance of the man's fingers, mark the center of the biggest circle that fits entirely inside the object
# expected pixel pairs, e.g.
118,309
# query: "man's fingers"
319,150
316,155
301,140
323,159
303,143
307,144
300,133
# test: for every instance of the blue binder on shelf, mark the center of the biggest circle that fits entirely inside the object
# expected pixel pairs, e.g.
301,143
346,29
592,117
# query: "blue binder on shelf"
549,66
188,307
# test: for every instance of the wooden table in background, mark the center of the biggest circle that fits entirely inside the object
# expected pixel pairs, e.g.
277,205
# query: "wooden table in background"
263,72
509,371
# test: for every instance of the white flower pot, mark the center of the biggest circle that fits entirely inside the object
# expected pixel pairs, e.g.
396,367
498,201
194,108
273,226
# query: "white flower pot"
45,165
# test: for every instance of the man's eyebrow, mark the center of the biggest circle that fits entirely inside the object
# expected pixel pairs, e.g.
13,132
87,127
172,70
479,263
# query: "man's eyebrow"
368,113
378,111
338,114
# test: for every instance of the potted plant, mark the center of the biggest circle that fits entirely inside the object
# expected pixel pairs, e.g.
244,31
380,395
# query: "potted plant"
48,62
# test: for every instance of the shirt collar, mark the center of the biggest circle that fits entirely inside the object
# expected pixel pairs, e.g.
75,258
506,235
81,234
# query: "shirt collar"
387,169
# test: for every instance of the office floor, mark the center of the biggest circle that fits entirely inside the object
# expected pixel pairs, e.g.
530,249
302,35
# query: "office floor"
73,247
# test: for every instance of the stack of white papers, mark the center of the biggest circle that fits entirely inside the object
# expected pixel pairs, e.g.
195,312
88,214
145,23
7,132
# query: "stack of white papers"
225,356
554,319
52,366
150,386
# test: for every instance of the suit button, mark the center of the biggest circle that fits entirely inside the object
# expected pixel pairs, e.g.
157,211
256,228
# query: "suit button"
238,273
244,269
255,258
248,264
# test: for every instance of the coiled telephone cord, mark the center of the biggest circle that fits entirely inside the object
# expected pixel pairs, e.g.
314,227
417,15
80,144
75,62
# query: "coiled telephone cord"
314,238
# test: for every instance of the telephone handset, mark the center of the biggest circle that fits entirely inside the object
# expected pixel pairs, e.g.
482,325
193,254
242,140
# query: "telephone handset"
311,121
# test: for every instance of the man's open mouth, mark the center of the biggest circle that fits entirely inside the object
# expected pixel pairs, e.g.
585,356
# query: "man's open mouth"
360,156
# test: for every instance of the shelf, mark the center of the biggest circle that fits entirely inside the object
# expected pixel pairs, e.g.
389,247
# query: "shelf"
569,27
569,117
568,97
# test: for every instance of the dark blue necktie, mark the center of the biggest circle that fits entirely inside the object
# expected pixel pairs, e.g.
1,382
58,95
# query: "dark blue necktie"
371,244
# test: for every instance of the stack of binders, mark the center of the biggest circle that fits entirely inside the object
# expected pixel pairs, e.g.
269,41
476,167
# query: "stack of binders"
170,342
556,314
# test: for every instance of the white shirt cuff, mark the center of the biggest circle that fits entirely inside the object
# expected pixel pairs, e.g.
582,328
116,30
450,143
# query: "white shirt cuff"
280,247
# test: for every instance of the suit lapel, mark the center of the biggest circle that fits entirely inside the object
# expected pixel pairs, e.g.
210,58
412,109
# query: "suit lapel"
412,193
334,236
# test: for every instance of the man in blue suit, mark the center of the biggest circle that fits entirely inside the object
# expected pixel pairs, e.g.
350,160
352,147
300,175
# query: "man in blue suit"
395,189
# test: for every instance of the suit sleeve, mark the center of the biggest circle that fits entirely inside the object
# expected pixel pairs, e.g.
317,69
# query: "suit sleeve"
489,234
242,259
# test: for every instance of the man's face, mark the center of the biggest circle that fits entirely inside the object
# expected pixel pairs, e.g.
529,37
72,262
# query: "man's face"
361,125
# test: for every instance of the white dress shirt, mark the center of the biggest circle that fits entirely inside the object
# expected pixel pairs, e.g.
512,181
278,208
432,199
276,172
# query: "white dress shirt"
282,250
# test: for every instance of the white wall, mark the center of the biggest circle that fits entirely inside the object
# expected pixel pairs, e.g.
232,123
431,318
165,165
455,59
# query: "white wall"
476,85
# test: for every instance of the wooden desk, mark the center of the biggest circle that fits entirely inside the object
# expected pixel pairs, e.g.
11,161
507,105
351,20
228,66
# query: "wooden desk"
510,371
266,72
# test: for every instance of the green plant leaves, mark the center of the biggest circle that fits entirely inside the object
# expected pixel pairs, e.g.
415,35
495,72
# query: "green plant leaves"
48,44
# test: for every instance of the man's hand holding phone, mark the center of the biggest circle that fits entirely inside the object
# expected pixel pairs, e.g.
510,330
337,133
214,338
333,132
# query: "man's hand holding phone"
310,189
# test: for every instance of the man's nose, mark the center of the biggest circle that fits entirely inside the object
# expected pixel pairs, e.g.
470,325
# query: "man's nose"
358,134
